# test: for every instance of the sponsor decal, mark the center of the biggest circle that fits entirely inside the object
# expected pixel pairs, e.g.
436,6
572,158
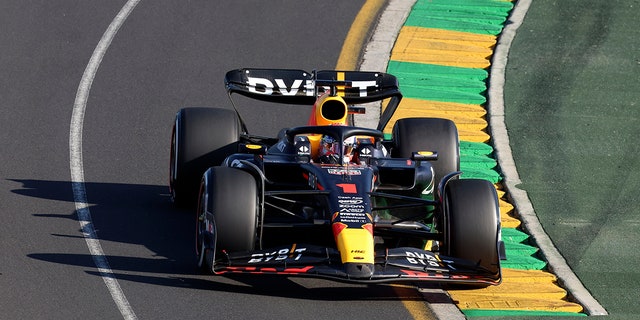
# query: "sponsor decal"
351,206
286,254
353,217
348,187
349,172
352,209
304,150
281,146
422,258
350,200
266,87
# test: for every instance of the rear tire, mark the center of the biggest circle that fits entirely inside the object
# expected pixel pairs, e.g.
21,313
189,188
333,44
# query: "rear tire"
227,214
201,138
429,134
472,223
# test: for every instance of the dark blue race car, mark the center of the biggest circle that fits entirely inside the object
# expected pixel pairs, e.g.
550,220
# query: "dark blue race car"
329,199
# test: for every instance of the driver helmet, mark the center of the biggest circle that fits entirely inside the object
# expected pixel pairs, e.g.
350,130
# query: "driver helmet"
330,152
349,145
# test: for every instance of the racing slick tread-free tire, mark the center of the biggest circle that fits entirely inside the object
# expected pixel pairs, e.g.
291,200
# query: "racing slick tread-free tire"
472,227
201,138
429,134
230,197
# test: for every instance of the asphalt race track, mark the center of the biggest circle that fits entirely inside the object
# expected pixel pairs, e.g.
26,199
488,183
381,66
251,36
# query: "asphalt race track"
113,74
165,55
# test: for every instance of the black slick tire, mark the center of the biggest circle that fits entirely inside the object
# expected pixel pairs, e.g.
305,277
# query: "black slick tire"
227,214
429,134
472,223
201,138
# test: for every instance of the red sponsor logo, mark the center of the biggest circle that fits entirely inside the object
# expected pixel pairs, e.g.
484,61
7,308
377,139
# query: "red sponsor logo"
348,187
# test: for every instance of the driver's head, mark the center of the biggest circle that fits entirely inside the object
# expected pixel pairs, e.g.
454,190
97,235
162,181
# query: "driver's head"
330,150
349,145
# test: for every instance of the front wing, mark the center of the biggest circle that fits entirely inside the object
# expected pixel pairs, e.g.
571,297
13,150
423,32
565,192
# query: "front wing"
391,265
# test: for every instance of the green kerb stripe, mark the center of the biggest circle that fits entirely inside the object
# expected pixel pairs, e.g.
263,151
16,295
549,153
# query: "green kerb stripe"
440,83
475,16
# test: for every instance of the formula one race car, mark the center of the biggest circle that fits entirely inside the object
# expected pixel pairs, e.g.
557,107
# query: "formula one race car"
329,199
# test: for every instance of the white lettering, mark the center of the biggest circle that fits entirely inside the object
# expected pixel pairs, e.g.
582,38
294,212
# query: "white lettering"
280,255
350,201
282,87
309,87
421,259
266,87
265,84
363,85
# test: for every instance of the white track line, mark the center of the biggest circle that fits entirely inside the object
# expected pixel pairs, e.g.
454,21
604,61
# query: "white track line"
76,165
519,197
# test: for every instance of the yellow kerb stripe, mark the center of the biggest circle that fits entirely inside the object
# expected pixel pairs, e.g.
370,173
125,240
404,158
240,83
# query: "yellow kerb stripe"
469,118
542,293
443,47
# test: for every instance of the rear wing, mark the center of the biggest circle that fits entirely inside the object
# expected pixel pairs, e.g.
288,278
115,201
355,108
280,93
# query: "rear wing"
290,86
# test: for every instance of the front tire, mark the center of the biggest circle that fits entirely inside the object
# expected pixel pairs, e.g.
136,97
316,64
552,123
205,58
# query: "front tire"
472,226
227,214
